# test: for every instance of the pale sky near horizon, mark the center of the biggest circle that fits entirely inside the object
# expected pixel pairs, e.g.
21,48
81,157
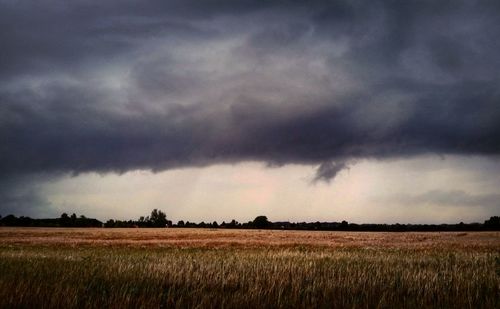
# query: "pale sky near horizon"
366,111
422,190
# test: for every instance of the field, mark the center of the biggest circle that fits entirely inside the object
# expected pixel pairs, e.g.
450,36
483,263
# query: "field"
168,268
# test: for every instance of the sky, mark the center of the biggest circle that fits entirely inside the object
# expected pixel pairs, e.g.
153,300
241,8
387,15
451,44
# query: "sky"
366,111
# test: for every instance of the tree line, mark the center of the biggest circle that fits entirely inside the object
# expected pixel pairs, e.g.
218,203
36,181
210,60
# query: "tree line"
64,221
158,218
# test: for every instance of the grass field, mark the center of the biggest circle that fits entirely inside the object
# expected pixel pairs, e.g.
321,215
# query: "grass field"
151,268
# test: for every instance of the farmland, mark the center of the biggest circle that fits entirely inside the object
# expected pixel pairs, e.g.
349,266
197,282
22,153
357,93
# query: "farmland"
150,268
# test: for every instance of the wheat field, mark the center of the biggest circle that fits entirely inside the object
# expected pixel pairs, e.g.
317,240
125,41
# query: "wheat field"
201,268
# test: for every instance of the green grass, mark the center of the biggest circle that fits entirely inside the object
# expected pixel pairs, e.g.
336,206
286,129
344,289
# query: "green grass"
33,276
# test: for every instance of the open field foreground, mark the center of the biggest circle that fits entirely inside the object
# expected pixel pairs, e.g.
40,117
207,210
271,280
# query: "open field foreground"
150,268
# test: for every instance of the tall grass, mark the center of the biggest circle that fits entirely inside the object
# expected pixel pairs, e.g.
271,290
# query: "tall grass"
34,276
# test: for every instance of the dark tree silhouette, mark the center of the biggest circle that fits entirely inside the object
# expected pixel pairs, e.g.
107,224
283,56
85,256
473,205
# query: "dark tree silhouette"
492,223
344,225
65,220
158,218
261,222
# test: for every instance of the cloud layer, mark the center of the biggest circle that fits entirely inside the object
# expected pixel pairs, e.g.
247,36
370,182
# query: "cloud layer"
121,85
454,198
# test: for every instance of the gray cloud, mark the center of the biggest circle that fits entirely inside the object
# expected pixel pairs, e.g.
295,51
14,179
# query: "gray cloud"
454,198
22,196
118,86
328,170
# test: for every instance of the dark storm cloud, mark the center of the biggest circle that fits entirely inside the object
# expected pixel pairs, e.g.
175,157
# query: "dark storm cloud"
328,170
123,85
22,196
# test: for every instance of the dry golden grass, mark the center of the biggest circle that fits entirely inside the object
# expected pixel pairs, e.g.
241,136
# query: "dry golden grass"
177,237
199,268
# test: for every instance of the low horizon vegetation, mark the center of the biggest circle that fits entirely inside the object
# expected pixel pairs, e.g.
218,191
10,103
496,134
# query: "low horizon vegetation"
158,218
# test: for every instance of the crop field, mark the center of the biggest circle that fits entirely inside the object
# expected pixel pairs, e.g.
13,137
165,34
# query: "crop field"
204,268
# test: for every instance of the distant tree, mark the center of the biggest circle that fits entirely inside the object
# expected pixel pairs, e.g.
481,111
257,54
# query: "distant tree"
492,223
180,223
158,218
261,222
233,223
65,220
73,219
9,220
215,224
